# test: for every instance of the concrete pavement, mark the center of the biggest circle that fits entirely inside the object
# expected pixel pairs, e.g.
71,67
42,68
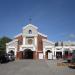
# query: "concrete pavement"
34,67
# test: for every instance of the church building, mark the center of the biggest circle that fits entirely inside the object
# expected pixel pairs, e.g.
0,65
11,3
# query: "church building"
31,44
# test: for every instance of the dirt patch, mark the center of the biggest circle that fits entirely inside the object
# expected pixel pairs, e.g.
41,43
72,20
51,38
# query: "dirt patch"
65,64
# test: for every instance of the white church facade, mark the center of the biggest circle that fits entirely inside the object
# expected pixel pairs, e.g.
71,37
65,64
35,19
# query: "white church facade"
31,44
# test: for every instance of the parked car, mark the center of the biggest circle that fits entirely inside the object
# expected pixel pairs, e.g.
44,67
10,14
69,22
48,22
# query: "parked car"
11,57
4,58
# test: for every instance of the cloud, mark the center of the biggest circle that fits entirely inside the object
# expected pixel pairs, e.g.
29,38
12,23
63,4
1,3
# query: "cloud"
71,35
67,35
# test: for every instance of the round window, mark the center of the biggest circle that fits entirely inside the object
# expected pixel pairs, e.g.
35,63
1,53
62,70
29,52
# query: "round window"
29,41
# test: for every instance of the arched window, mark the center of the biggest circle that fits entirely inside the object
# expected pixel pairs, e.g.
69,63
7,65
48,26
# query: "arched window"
30,31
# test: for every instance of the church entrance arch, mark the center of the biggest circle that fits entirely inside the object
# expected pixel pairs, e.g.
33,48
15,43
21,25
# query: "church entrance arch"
28,54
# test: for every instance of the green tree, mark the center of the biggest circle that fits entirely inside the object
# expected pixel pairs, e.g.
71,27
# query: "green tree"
56,44
3,42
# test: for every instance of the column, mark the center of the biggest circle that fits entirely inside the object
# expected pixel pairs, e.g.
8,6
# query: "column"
23,40
35,39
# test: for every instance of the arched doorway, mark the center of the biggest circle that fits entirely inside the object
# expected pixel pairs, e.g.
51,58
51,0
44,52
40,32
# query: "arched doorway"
11,52
58,54
28,54
49,54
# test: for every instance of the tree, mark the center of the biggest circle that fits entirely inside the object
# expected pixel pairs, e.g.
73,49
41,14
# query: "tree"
61,43
56,44
3,42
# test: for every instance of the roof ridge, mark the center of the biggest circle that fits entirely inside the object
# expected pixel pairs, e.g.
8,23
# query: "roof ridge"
30,25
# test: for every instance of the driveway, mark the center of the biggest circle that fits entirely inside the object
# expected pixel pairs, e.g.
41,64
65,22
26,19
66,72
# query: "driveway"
34,67
59,70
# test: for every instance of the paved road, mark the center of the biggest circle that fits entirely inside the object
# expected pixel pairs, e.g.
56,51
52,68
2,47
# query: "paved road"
33,67
59,70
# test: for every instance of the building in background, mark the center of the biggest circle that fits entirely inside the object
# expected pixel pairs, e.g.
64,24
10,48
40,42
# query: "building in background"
31,44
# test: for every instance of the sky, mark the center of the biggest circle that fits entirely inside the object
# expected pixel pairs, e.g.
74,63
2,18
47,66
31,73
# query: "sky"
55,18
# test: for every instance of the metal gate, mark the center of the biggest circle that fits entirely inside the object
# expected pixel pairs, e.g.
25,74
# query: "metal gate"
49,55
40,55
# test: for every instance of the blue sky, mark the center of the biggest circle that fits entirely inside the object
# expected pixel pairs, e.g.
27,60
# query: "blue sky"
55,18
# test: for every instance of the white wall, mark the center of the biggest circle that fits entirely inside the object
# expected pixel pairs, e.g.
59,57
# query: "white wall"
26,31
12,46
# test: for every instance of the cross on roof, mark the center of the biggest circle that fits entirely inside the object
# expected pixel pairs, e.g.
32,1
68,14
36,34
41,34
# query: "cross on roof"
30,20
